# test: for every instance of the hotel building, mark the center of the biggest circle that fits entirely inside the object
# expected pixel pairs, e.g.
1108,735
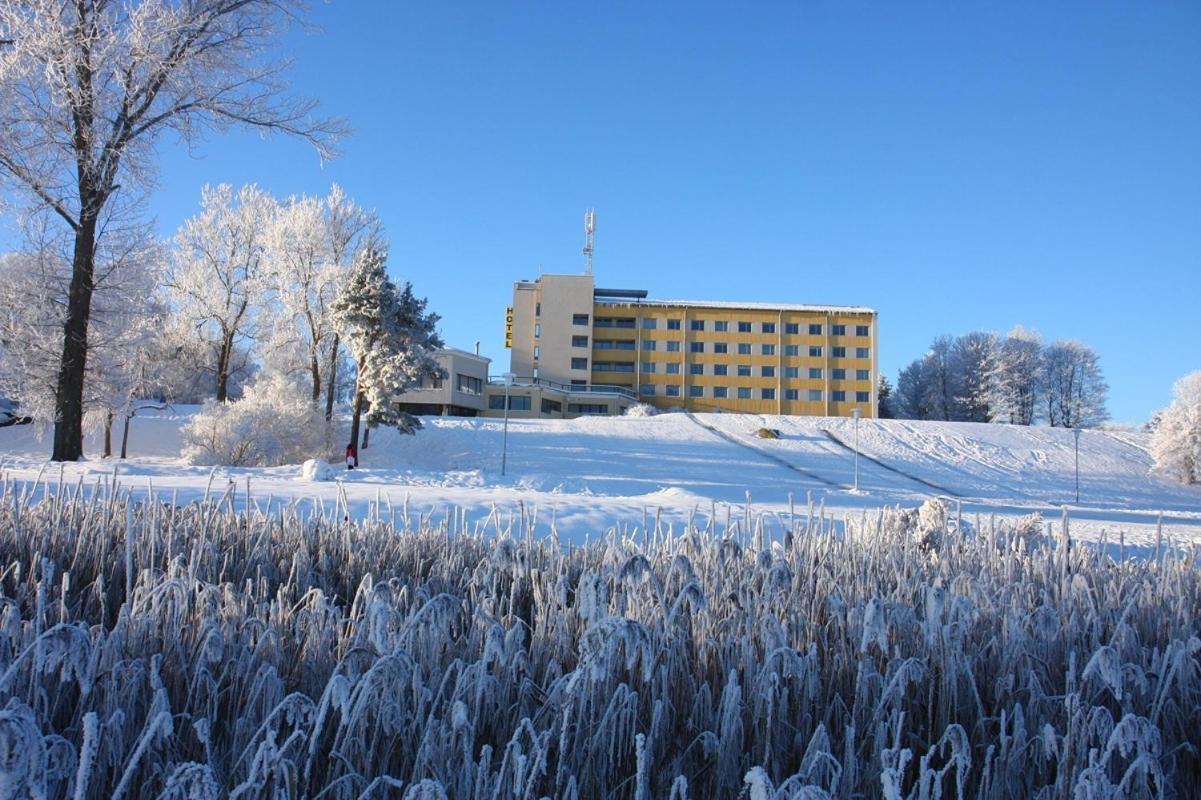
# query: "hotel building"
763,358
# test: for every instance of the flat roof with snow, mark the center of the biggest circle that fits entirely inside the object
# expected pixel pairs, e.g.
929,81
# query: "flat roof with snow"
747,306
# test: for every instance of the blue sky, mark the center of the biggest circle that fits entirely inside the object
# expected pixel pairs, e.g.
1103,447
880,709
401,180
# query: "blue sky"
956,166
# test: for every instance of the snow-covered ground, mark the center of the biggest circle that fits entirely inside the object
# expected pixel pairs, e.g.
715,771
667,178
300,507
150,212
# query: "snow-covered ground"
591,475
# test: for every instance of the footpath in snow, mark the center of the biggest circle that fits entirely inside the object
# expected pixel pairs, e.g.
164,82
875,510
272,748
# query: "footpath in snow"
590,475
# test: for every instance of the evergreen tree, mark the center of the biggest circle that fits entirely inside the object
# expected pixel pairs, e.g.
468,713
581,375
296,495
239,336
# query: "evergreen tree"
391,338
884,398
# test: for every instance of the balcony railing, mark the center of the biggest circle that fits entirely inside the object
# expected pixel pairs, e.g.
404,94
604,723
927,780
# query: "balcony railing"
591,388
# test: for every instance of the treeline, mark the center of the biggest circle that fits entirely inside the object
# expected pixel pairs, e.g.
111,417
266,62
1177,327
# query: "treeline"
1015,378
289,298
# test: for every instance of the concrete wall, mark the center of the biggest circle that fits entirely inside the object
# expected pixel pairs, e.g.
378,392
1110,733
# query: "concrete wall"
543,326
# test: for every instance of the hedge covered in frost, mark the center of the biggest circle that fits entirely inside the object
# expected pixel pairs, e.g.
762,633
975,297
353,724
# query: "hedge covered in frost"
152,651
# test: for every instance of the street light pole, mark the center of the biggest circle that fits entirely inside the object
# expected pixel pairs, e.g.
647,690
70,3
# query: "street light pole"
855,412
504,446
1076,433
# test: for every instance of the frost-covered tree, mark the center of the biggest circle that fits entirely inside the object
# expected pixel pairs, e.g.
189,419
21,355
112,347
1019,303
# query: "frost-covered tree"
86,91
1176,441
1014,377
217,276
391,337
309,249
926,388
884,398
912,393
972,355
1072,386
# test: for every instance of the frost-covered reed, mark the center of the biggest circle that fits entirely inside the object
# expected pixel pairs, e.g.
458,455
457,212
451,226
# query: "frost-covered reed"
155,651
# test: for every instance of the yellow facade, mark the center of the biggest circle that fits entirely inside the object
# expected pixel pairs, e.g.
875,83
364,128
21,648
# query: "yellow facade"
781,365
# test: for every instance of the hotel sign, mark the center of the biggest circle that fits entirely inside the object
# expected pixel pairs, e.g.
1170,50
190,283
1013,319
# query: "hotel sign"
509,327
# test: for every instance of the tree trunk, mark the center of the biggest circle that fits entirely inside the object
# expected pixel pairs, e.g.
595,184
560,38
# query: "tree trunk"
108,434
68,400
223,358
358,413
315,371
331,380
125,434
366,435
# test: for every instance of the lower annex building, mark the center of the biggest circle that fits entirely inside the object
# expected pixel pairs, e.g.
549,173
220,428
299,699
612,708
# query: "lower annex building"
587,350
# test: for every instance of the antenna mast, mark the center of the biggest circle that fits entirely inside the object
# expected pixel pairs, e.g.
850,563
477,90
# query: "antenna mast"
589,231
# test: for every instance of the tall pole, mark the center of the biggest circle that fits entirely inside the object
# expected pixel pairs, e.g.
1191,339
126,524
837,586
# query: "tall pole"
1076,433
504,446
855,413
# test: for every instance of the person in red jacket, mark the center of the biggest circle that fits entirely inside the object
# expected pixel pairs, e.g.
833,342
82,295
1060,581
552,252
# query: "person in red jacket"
352,458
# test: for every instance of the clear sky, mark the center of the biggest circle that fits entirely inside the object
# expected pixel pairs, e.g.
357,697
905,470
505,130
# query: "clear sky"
954,165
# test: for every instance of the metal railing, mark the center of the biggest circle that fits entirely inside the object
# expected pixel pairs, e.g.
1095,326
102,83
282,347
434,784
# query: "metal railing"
591,388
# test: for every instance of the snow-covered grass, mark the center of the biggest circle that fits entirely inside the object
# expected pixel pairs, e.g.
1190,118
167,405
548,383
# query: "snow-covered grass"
150,650
593,473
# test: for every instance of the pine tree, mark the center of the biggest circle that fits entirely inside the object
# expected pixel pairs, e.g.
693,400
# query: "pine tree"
884,398
391,338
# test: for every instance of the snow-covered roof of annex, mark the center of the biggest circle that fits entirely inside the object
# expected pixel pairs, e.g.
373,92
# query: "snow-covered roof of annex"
747,306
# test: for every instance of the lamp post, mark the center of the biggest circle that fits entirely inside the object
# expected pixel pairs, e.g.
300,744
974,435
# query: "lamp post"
504,446
1076,434
855,412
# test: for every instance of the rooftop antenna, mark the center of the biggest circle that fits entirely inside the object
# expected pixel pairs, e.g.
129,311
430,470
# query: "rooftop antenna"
589,233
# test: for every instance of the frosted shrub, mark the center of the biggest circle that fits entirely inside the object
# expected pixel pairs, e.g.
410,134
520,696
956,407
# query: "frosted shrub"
190,653
270,426
1176,441
641,410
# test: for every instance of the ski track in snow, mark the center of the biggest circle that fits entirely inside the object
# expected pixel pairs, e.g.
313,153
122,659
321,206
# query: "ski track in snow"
594,475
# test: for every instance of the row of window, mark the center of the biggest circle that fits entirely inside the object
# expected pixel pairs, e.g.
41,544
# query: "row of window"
718,348
747,393
522,403
719,326
741,370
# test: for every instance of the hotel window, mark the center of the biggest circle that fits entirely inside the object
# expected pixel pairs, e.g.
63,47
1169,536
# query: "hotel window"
815,351
650,323
537,352
551,406
579,319
768,327
579,341
767,349
673,324
720,369
792,372
696,347
649,344
579,363
673,346
436,382
612,366
696,369
838,396
721,347
696,325
792,349
767,372
696,391
516,402
815,330
671,390
720,392
744,327
792,327
815,373
470,385
587,408
673,368
744,393
648,366
861,352
767,394
838,330
862,397
863,374
744,349
861,330
646,388
814,395
721,326
537,309
839,352
744,370
838,374
792,394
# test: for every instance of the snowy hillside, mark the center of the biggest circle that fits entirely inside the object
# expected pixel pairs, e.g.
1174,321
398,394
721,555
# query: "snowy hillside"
591,474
